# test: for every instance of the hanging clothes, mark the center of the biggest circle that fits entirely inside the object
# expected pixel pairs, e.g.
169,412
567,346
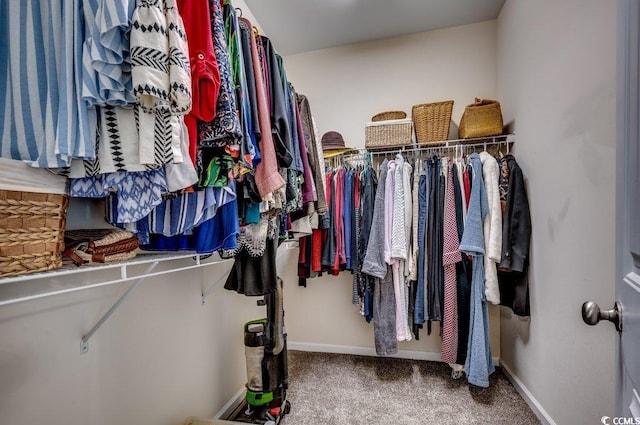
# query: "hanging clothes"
117,138
225,127
422,250
314,151
106,70
181,214
161,78
384,321
329,235
451,256
413,252
367,199
492,227
44,118
132,195
347,216
463,273
357,289
338,197
219,232
254,275
268,179
516,237
421,305
205,75
407,171
434,240
280,127
479,362
398,248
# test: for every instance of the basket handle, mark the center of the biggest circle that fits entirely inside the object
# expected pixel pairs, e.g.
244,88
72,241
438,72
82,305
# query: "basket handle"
482,102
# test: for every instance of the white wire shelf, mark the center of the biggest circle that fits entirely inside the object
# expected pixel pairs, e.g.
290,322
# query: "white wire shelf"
19,289
71,278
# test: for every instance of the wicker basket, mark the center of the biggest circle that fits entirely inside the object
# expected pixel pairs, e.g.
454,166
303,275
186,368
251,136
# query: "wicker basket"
432,120
31,231
389,115
481,119
387,134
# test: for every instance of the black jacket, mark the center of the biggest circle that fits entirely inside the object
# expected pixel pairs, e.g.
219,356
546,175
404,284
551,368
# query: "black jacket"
516,236
279,112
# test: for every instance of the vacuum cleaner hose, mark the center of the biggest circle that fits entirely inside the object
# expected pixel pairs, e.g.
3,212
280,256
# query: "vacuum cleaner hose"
278,322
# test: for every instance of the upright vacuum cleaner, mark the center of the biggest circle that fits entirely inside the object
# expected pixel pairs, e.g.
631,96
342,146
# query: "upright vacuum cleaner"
265,342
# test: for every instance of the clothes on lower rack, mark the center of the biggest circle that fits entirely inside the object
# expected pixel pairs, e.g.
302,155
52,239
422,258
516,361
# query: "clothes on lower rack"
430,239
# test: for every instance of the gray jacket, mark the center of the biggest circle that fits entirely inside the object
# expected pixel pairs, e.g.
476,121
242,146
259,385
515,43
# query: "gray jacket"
374,263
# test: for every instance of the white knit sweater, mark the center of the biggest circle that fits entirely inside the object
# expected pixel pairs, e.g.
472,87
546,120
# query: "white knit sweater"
492,227
398,230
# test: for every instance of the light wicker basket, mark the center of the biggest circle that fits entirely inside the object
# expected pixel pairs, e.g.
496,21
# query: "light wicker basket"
387,134
31,231
389,115
432,121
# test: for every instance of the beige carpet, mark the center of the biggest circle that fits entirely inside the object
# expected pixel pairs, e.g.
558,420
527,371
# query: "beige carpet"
338,389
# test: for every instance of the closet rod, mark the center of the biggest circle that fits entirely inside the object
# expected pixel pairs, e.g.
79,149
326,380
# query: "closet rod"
366,157
458,144
437,148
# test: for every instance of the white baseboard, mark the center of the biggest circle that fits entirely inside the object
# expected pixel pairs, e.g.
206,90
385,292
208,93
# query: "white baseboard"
533,403
228,408
366,351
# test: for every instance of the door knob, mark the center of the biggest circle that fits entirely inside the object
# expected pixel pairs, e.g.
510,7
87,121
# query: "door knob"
592,314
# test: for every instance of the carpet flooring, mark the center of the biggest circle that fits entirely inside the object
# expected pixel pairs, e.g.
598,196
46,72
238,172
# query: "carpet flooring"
357,390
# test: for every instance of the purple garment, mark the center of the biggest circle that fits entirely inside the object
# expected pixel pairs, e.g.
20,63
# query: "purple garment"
347,216
309,193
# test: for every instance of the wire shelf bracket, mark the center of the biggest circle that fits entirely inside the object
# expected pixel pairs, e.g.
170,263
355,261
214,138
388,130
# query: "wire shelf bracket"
149,272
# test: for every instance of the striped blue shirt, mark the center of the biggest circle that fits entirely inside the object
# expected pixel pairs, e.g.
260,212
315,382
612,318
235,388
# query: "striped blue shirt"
43,118
106,71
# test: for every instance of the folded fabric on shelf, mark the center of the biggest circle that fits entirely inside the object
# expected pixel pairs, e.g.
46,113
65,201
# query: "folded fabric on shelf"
100,245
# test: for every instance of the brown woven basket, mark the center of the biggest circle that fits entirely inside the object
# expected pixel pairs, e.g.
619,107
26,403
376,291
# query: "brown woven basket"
481,119
386,134
432,120
31,231
389,115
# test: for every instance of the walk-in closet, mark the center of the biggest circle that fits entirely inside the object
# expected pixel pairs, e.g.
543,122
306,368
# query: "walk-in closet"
295,212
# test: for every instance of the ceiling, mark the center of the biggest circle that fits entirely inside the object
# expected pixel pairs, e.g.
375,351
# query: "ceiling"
297,26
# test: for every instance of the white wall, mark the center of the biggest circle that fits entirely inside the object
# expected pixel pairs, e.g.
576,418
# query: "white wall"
346,86
556,81
160,358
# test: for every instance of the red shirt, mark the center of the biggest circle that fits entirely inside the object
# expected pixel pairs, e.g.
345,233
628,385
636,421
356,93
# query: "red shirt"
205,75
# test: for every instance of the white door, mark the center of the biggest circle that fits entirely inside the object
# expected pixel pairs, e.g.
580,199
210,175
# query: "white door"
628,210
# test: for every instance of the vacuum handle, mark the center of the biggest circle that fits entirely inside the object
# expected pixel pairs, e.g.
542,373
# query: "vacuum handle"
262,322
